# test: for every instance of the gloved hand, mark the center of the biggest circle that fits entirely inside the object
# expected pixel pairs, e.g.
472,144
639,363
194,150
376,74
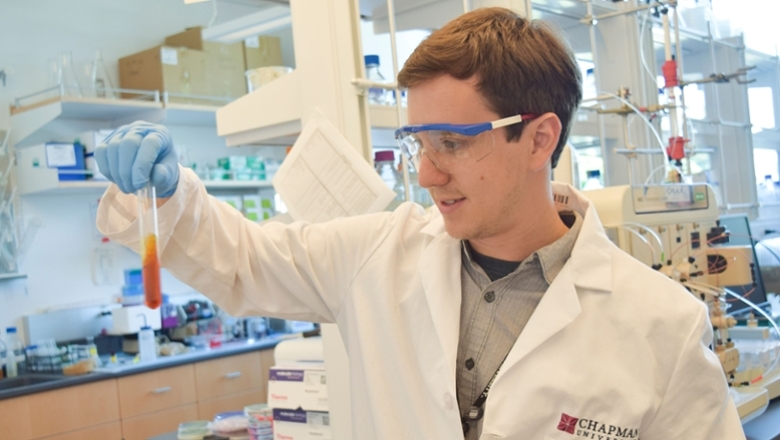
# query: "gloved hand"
136,153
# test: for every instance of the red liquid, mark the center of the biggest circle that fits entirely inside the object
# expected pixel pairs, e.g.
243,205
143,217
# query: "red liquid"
151,273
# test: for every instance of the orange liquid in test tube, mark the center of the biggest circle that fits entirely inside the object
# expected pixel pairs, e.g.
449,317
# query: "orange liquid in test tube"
151,272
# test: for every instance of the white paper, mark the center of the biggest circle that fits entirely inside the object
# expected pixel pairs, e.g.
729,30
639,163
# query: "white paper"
252,42
60,155
169,56
324,177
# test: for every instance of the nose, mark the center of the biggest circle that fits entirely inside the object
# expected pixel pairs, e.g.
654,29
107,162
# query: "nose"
429,175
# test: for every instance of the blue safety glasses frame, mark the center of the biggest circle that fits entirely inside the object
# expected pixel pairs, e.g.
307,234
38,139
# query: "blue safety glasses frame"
447,143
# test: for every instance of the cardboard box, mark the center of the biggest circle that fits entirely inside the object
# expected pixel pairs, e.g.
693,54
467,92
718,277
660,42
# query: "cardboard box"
262,51
299,386
167,69
224,62
301,425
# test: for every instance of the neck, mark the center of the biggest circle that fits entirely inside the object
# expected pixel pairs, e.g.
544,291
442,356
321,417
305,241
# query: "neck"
531,232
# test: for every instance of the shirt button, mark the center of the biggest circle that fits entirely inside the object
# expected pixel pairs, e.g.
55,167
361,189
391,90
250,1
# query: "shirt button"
490,296
448,400
470,363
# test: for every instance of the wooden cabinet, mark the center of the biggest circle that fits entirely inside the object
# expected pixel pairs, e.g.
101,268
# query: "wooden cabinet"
106,431
15,418
207,409
139,406
229,375
160,422
156,390
72,408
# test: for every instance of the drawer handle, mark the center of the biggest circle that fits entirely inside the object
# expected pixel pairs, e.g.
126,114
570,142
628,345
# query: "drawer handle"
233,375
161,390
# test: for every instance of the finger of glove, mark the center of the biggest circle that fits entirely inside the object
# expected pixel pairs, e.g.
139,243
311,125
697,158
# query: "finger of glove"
152,146
165,179
112,159
101,158
127,152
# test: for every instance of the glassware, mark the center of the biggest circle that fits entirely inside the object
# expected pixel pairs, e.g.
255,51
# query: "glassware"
150,257
100,79
68,78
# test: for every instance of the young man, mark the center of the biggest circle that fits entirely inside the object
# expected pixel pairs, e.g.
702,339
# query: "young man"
505,312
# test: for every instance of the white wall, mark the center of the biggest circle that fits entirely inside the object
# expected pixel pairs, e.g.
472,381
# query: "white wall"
59,261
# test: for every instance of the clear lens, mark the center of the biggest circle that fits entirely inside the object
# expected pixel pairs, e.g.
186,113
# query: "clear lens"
446,149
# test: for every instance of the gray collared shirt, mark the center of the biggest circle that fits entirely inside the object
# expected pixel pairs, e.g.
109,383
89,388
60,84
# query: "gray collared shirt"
493,313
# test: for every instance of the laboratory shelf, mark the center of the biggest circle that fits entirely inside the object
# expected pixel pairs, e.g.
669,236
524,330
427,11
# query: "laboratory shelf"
12,276
66,117
236,184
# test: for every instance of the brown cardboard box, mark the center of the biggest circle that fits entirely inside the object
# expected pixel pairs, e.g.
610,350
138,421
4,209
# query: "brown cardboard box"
225,69
191,38
262,51
224,62
167,69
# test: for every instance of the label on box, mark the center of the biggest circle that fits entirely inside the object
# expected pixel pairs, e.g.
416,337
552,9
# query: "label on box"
303,387
301,425
252,42
169,56
60,155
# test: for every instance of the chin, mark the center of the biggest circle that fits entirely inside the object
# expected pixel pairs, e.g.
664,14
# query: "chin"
458,231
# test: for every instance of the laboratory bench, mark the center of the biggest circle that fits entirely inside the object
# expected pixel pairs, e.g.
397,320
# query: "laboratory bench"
135,401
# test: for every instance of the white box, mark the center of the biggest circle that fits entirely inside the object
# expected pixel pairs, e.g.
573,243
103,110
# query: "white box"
301,425
298,386
129,320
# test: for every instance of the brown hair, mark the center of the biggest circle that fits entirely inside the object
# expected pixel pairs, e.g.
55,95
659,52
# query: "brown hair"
522,66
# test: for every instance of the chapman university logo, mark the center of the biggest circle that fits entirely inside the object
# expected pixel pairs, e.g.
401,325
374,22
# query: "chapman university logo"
593,429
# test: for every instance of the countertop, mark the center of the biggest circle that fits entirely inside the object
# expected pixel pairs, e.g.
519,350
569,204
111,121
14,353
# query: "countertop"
127,369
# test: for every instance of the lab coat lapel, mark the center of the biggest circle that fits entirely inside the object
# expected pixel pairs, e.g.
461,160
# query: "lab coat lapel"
439,270
588,269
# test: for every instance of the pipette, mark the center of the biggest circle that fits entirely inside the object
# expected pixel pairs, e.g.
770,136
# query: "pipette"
150,257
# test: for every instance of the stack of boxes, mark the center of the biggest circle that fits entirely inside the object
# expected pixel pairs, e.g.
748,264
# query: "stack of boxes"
187,65
255,207
298,395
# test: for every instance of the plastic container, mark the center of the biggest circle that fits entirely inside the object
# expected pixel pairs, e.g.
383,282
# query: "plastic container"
194,430
261,421
15,359
147,347
384,163
376,95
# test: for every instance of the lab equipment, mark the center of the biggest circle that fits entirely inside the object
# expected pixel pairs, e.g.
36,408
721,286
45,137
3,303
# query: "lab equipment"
16,361
129,320
100,79
2,357
376,95
150,256
147,347
593,180
384,163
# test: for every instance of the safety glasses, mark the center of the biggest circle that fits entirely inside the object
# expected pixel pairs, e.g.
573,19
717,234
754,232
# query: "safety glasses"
449,146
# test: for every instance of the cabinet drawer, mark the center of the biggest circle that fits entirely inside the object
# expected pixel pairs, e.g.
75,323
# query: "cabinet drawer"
15,418
160,422
207,409
149,392
229,375
72,408
106,431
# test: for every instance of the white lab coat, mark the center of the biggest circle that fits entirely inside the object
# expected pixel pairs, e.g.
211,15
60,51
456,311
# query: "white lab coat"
613,351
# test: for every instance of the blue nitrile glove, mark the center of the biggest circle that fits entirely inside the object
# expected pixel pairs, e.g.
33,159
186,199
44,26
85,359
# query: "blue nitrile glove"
136,153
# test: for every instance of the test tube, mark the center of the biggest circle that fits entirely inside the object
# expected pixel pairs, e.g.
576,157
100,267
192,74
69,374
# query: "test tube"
150,257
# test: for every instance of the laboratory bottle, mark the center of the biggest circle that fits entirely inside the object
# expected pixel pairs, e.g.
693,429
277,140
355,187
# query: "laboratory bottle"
384,162
15,355
376,96
593,180
147,348
2,358
766,190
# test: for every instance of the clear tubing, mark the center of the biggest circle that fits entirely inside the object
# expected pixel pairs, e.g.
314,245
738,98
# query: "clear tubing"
762,313
649,124
643,239
150,256
651,232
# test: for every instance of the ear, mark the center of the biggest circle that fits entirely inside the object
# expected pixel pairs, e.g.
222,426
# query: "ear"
545,131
